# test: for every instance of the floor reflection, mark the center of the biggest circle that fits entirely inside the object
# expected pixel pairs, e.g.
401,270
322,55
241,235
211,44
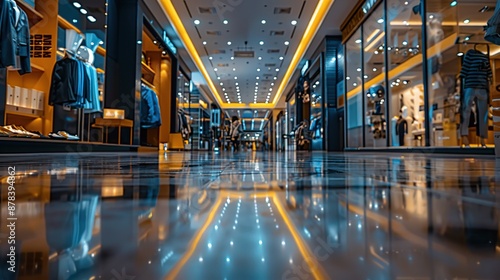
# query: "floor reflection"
253,216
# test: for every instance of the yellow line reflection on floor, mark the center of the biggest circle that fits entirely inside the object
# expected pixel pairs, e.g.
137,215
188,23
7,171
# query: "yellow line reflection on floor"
307,255
310,259
196,240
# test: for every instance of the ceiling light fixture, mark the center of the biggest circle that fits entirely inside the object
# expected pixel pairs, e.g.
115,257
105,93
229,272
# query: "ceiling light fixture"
83,11
453,3
294,22
225,21
287,43
261,43
232,57
260,57
210,58
263,21
204,42
466,21
229,43
77,5
196,22
281,58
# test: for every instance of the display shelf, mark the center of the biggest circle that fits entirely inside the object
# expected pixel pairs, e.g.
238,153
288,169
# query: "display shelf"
148,72
150,85
21,111
34,16
67,25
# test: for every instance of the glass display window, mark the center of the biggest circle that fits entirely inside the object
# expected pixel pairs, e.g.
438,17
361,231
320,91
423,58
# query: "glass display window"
405,90
373,77
354,96
316,121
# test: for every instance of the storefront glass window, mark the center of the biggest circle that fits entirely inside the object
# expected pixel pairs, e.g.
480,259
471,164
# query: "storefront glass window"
316,123
405,70
354,93
374,80
443,64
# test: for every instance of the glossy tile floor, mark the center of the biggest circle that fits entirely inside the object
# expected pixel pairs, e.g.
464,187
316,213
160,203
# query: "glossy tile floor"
252,215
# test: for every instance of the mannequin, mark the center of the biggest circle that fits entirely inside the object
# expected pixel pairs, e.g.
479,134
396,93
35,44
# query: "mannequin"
477,76
401,128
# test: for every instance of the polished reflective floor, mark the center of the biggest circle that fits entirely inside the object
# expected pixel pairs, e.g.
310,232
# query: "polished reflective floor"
251,215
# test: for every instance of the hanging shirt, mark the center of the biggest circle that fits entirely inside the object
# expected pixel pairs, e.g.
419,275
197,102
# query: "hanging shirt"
476,70
93,104
150,108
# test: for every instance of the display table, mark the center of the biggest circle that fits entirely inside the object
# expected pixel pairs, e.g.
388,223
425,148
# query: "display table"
104,124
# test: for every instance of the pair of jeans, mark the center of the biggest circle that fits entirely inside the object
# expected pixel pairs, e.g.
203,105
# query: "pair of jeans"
481,97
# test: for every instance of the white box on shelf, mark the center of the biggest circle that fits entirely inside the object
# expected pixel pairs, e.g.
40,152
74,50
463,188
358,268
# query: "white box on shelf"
34,99
25,97
10,95
17,96
40,100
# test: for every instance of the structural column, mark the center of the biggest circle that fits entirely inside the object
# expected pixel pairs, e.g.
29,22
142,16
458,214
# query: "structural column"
123,61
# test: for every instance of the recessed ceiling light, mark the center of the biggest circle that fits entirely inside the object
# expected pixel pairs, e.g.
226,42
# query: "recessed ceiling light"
258,69
466,21
275,78
215,69
277,69
221,83
204,42
272,84
460,54
260,58
229,43
77,5
287,43
236,78
91,19
257,78
218,78
453,3
101,43
75,20
196,22
281,58
236,84
261,43
467,38
223,89
210,58
225,21
83,11
374,69
257,83
380,20
263,21
232,57
234,69
294,22
358,41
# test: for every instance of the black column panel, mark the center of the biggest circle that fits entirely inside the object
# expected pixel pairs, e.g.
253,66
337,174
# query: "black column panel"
173,95
123,62
333,70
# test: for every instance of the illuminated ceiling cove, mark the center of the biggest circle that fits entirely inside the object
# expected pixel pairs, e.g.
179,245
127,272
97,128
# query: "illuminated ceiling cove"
246,50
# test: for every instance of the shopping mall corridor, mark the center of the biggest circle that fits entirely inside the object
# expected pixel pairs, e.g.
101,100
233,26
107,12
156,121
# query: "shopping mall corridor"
252,215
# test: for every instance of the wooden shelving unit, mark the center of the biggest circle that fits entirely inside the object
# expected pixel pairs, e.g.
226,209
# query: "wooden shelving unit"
21,111
34,16
147,73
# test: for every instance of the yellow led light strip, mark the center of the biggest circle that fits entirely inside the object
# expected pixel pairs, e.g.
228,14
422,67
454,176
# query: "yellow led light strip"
317,18
176,21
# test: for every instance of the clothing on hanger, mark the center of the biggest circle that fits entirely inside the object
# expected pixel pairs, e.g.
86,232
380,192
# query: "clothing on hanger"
70,84
476,70
150,108
93,104
15,38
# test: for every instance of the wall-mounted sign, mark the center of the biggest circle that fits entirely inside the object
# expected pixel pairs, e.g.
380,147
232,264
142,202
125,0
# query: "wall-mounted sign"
169,43
41,45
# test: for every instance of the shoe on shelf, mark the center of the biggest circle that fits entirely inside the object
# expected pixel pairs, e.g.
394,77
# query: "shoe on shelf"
4,134
14,132
68,136
40,134
56,136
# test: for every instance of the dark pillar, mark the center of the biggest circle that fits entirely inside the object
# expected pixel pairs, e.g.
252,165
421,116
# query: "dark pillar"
333,70
123,61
